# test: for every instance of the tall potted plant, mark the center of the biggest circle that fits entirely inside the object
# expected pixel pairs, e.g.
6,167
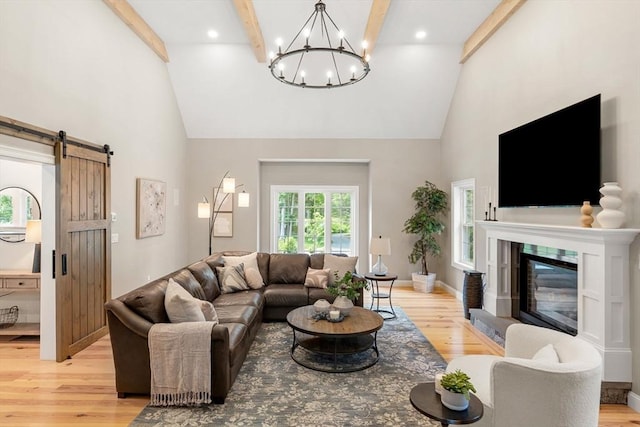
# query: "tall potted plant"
426,223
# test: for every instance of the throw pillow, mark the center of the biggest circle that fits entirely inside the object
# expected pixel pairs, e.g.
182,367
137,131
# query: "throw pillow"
253,278
340,265
232,279
317,278
249,261
547,354
181,306
209,311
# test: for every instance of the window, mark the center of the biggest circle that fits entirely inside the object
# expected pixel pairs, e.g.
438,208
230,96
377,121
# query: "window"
462,224
314,219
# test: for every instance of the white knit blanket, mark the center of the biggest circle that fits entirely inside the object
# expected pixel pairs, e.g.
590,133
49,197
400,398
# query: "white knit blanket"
180,356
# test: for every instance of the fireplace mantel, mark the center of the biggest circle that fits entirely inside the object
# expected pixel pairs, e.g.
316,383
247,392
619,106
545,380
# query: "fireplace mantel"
603,282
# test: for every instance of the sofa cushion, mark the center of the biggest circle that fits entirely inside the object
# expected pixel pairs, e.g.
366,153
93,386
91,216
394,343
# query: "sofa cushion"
317,278
245,314
232,279
288,268
278,295
148,301
252,273
182,306
188,282
251,297
339,265
207,279
316,261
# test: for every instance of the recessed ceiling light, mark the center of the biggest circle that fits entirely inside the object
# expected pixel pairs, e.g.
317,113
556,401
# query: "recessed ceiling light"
421,34
212,34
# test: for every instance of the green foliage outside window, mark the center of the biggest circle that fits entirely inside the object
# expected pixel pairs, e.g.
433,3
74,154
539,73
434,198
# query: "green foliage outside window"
6,210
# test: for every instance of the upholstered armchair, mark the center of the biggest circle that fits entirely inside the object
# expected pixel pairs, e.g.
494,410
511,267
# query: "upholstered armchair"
546,378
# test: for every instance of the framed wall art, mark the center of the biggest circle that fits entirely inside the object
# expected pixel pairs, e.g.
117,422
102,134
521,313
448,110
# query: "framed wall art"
151,207
223,226
222,203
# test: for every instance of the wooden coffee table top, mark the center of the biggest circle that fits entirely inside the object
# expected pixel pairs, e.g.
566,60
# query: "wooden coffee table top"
359,321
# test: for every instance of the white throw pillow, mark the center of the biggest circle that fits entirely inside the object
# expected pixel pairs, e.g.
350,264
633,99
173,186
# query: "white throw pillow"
339,265
547,354
249,261
253,278
181,306
209,311
317,278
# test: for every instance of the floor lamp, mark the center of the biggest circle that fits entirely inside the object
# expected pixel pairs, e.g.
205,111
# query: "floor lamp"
226,187
34,235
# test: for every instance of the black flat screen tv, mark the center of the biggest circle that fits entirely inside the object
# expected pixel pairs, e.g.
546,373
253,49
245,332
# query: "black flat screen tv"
552,161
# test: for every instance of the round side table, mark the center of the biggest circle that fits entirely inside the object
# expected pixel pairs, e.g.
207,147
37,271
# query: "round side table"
425,399
377,295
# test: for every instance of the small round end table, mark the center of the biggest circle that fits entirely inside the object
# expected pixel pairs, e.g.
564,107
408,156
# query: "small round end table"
377,295
425,399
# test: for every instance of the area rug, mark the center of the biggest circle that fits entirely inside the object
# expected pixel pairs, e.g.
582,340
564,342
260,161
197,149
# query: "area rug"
273,390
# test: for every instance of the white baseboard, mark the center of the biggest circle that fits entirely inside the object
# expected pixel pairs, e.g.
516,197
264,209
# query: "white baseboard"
633,401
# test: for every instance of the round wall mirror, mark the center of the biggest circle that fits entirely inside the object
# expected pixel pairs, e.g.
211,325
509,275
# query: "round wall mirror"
17,206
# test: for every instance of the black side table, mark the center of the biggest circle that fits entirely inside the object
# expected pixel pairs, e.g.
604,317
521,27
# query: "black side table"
377,295
425,399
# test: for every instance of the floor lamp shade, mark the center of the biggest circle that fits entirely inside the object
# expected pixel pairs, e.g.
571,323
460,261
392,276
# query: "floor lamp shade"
34,235
380,246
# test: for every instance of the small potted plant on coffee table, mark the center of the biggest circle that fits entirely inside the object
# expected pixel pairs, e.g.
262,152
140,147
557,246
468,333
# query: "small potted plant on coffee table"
456,386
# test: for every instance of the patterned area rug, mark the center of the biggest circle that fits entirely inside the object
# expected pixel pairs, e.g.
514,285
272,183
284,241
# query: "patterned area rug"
273,390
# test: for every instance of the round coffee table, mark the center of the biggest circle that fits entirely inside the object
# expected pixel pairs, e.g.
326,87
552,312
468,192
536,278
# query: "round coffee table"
425,399
335,347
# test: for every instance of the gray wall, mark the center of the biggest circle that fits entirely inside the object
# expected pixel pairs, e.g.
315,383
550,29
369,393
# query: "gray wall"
551,54
395,169
76,66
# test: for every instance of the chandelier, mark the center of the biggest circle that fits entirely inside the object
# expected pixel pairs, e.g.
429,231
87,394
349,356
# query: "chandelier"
319,56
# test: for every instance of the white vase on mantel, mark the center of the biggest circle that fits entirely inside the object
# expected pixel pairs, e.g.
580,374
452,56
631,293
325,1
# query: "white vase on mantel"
610,216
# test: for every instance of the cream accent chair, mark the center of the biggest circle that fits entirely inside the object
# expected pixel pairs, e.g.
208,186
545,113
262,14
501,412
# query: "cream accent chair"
546,379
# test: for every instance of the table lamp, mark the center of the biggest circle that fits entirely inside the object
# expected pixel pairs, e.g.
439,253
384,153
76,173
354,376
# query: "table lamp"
380,246
34,235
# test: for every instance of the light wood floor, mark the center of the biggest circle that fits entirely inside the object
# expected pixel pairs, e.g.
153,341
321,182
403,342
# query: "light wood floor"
80,391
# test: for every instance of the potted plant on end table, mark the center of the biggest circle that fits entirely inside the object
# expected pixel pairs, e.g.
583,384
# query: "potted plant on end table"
456,386
426,223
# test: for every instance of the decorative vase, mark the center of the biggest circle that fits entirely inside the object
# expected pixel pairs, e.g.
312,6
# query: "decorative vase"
586,210
322,306
611,216
454,401
343,304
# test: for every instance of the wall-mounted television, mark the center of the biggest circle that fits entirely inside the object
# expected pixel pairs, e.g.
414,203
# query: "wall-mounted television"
552,161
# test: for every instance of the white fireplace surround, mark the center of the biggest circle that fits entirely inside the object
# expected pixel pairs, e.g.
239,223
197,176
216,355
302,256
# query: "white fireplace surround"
603,282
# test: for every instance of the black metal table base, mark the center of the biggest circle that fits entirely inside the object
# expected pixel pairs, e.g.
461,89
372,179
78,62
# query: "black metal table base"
335,355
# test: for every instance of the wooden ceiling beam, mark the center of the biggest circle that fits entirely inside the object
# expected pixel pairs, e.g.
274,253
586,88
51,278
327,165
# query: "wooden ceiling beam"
247,15
499,16
377,14
129,16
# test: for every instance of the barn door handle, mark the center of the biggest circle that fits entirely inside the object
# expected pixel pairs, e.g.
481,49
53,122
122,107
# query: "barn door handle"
64,264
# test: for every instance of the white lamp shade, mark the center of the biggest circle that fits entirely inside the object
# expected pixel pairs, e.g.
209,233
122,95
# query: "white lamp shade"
380,246
203,210
243,200
229,185
34,231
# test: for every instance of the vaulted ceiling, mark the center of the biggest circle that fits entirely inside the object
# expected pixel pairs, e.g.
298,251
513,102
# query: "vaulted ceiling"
224,88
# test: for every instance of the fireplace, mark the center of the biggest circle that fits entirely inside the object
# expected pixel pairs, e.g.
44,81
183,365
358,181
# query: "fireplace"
603,285
547,293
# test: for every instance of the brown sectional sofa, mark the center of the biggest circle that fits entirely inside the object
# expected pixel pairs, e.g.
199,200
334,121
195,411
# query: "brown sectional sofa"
240,315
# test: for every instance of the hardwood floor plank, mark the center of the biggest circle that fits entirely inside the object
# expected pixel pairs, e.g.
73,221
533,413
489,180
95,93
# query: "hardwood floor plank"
81,390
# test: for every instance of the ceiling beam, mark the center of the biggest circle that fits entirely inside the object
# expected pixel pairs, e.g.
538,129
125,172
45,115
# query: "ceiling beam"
499,16
247,15
129,16
374,24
